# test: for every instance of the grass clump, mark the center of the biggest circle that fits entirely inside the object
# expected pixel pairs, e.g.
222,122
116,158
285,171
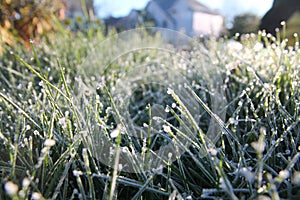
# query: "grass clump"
60,111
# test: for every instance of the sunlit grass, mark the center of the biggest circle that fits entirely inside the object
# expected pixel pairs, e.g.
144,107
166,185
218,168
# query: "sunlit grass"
52,103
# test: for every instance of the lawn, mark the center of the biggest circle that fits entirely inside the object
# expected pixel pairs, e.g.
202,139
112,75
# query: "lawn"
150,114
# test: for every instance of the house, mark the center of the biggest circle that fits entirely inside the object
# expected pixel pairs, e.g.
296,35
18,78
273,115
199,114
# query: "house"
187,16
132,20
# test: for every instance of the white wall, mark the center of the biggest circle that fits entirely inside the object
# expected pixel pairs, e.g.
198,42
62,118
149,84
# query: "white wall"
205,24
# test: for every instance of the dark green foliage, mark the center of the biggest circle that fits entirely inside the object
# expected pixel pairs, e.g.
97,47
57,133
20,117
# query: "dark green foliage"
244,23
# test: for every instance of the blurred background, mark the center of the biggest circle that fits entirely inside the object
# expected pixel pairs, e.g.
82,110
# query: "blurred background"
22,20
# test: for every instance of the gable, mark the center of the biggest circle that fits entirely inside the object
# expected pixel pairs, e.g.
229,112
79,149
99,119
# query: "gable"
198,7
160,16
165,4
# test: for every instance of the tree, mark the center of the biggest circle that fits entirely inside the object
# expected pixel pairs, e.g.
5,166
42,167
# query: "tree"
282,10
245,23
26,19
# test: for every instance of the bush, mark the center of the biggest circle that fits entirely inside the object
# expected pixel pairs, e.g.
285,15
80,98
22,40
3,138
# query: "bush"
21,21
244,23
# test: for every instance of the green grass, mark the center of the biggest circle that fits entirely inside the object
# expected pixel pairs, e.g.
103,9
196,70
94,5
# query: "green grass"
59,109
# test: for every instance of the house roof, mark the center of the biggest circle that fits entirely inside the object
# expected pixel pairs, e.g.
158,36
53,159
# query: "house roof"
165,4
197,6
194,5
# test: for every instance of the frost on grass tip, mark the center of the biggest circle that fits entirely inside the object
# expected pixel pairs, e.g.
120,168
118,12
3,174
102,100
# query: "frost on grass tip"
146,94
11,188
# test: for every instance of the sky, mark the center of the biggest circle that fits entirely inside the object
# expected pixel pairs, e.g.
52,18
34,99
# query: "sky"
229,8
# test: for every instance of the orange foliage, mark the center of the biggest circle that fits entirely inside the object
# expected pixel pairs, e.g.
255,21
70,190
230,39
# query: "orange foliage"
22,20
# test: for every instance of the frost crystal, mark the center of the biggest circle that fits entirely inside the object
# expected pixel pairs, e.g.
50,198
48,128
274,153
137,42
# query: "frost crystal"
170,91
213,152
284,174
77,173
115,132
296,178
11,188
49,143
62,122
36,196
167,128
25,182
